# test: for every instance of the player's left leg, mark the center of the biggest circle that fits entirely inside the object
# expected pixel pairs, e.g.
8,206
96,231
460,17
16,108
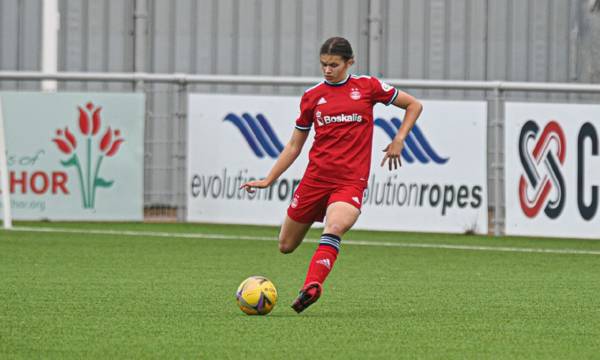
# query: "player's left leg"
339,219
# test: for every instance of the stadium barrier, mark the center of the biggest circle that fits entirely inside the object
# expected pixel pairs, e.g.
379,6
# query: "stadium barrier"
494,92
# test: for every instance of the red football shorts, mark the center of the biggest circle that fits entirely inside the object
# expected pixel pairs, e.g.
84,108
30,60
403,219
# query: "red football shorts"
310,201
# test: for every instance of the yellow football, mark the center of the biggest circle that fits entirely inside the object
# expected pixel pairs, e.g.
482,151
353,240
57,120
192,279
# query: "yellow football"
256,295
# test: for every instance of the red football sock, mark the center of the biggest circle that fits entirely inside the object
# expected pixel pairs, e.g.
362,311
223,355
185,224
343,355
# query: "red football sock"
323,259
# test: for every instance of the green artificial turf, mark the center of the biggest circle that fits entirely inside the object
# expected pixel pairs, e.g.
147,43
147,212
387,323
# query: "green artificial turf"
86,295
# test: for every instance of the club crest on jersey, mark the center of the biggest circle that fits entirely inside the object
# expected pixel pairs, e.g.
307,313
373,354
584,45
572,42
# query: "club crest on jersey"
355,94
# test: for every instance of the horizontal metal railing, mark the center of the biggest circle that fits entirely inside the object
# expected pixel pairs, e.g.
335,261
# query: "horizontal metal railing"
181,78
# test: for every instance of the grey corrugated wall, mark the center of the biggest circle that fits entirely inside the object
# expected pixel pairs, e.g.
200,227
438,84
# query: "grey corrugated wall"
20,38
521,40
96,36
524,40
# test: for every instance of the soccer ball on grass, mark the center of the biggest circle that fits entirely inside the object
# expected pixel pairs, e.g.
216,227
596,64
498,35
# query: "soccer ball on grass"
256,295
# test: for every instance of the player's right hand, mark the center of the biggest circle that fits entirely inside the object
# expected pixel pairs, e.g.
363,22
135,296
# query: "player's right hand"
250,186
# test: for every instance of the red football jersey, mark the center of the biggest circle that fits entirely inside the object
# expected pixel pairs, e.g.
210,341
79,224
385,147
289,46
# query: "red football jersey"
342,114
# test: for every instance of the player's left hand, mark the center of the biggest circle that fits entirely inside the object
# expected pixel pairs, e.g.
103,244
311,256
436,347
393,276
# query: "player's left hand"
392,155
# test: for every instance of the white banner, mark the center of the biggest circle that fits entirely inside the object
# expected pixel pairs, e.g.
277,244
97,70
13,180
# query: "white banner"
552,169
75,156
441,186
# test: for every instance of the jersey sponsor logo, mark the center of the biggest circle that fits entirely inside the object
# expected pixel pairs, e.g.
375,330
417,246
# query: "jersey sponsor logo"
341,118
417,146
355,94
543,157
258,133
322,101
319,118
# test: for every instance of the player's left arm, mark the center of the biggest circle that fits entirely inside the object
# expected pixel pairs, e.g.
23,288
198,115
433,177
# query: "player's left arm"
413,108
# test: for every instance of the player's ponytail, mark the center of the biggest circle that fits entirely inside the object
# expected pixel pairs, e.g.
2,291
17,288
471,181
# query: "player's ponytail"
337,46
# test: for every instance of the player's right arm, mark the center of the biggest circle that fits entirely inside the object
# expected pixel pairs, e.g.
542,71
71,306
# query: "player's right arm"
292,149
289,154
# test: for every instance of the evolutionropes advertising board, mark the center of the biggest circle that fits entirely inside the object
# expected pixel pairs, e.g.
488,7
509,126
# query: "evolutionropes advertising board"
441,186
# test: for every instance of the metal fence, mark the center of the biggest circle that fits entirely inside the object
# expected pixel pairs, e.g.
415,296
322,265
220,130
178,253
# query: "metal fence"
166,115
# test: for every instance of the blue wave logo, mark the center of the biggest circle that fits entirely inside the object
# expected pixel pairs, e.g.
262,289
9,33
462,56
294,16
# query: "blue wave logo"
258,133
417,147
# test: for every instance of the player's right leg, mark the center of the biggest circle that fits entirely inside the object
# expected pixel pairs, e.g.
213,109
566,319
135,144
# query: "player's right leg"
291,234
307,206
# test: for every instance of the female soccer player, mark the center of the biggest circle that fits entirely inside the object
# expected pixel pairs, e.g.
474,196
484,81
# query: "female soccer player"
341,110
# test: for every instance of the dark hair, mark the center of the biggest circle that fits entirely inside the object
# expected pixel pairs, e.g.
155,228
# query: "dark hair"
337,46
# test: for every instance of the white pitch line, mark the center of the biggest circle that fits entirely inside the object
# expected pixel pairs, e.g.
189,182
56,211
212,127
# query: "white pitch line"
346,242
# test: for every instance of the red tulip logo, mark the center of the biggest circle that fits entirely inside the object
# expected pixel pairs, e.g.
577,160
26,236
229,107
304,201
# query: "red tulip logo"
111,141
67,143
89,123
85,125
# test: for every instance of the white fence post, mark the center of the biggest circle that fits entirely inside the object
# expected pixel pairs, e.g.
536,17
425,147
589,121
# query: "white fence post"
51,24
498,162
4,187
